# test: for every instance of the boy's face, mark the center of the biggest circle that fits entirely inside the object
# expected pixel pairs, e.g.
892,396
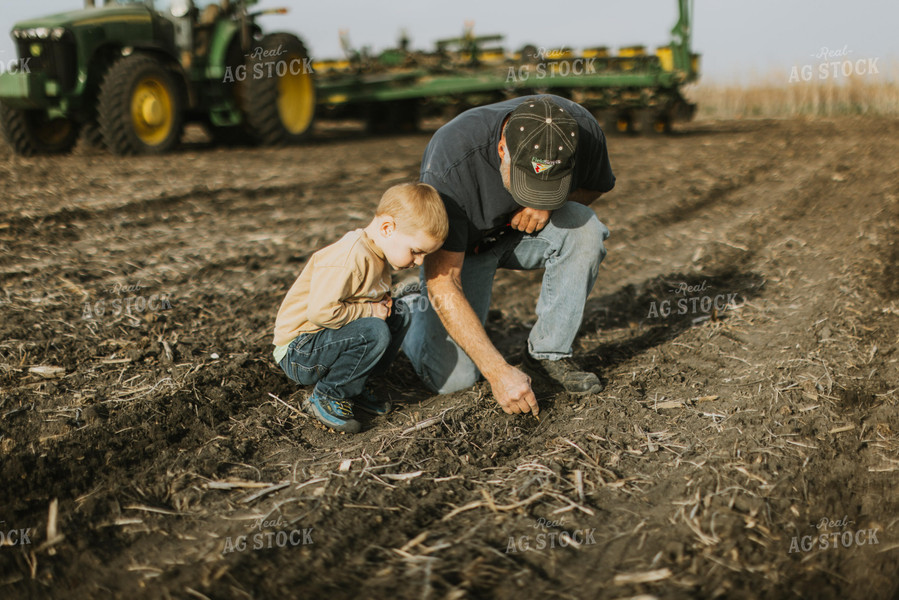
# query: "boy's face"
404,249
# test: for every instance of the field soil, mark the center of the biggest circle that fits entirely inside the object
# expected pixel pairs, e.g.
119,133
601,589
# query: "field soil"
745,324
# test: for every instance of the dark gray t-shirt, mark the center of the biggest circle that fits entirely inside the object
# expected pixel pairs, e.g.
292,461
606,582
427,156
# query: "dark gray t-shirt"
462,163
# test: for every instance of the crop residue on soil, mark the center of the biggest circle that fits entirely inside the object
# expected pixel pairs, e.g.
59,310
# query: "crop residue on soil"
745,324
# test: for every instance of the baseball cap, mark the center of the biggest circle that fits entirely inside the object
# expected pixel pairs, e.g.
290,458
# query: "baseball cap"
542,139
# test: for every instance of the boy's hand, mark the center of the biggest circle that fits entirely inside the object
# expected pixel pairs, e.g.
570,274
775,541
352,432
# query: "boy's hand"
383,308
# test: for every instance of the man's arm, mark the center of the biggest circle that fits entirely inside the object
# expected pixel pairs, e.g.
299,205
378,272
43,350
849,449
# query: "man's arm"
511,387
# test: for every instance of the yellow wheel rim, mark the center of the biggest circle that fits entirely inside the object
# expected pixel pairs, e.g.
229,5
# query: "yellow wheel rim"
151,111
296,95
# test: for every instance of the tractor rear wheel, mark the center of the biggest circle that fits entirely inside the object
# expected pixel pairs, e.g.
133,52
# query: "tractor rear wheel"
33,132
279,90
141,107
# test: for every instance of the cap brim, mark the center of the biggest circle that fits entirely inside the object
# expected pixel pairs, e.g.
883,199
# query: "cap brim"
541,194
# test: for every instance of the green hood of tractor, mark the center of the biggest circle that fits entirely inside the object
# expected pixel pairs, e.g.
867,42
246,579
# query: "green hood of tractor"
89,17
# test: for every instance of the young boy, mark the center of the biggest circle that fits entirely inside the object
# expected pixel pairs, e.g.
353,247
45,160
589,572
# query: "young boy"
337,325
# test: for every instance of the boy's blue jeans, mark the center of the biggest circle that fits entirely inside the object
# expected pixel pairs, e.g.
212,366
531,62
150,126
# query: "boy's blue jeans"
570,248
338,362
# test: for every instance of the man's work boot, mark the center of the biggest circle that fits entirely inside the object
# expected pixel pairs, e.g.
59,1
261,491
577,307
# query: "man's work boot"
564,372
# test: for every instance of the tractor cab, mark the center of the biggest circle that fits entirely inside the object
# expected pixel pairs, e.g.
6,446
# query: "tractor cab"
195,23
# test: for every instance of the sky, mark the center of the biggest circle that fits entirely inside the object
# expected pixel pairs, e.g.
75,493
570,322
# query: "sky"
740,41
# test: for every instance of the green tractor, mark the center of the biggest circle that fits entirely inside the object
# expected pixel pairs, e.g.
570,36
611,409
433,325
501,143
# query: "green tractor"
129,74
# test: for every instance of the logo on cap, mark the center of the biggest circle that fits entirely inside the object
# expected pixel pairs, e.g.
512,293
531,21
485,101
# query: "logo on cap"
543,165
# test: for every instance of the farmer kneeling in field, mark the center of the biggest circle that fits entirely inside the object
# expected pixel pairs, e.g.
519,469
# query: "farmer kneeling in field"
515,178
338,325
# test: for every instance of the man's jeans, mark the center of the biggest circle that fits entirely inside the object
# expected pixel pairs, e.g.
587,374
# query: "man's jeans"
339,361
570,248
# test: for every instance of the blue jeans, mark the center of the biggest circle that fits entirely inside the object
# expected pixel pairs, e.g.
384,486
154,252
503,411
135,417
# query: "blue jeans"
570,249
338,362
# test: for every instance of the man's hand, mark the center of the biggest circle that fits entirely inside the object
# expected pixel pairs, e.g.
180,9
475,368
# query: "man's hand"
511,387
383,308
530,220
512,390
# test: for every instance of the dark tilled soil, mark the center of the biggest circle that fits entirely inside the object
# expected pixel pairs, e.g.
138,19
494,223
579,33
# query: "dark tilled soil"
141,405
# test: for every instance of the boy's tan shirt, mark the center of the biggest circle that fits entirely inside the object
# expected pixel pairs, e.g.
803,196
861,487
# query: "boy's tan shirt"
338,285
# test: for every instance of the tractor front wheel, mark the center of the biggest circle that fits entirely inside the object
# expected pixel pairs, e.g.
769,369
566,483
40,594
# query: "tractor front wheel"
33,132
141,107
279,90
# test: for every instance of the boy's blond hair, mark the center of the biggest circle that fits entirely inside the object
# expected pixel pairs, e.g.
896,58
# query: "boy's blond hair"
416,207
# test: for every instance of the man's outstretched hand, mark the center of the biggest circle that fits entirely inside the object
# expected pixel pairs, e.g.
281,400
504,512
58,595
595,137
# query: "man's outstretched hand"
512,390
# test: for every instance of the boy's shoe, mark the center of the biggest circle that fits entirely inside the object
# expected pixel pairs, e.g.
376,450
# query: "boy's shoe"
370,403
564,372
336,414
